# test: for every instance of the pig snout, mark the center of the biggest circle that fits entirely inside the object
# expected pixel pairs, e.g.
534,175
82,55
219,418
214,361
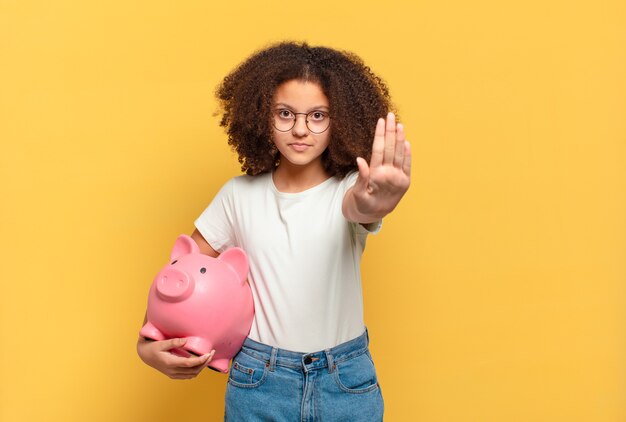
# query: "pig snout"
174,285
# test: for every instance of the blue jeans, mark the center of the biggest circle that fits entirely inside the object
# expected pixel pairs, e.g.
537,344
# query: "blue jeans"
270,384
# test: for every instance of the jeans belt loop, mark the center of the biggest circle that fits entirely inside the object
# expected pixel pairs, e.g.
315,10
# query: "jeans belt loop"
330,361
273,359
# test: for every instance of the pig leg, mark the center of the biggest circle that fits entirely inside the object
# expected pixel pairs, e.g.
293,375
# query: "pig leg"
150,332
197,346
220,364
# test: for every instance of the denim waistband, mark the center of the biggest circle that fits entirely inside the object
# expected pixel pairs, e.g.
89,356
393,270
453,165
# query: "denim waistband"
274,356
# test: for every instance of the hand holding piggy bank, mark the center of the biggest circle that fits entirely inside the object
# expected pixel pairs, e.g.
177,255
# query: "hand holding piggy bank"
203,299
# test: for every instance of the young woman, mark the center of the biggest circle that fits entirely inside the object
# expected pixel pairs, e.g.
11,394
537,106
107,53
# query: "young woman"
325,161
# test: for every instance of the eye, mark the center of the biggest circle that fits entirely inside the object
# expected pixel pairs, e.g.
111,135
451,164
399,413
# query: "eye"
202,270
317,115
283,113
175,261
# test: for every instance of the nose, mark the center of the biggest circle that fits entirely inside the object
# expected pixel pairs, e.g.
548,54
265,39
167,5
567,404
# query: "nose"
300,128
173,285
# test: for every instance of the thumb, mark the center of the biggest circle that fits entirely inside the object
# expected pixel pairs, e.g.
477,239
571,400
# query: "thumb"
172,343
364,174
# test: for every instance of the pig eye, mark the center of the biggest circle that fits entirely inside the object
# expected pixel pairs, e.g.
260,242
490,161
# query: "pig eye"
202,270
175,261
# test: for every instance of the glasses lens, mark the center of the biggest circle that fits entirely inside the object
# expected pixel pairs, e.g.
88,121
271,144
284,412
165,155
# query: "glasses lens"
284,120
317,121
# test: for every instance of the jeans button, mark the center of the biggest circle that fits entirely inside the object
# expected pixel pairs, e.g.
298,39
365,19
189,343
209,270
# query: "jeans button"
307,360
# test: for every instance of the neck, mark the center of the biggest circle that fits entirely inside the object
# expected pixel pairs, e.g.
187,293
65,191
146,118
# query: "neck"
290,178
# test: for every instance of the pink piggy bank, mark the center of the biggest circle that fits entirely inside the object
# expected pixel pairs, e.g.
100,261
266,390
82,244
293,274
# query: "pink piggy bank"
206,300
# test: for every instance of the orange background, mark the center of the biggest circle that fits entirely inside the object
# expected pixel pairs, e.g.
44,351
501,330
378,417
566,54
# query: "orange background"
495,291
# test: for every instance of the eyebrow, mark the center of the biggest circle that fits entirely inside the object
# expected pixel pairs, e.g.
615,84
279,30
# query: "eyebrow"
293,108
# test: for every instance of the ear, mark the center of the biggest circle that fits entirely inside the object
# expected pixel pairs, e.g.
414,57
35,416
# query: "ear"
184,245
237,260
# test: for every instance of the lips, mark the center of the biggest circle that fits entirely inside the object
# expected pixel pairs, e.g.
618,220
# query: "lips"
299,147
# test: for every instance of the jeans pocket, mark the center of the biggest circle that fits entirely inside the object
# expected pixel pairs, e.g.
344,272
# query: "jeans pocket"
357,374
247,371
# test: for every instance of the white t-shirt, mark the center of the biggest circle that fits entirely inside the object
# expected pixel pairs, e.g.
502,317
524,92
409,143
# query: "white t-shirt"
304,258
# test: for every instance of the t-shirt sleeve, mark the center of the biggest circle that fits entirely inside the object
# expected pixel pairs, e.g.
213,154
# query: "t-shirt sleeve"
216,221
372,228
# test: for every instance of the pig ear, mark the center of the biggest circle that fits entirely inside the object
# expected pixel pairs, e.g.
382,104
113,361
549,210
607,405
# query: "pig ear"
237,260
184,245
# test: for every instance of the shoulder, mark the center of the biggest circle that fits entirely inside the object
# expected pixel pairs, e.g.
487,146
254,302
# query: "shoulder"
348,180
245,183
243,186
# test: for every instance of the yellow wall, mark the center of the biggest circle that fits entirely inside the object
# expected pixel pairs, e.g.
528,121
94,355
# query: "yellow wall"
495,292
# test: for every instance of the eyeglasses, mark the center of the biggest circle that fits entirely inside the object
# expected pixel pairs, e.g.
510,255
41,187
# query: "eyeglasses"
316,121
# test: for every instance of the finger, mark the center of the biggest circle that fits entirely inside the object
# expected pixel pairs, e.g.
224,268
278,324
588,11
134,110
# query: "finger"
398,157
378,146
390,139
406,164
187,372
194,370
364,174
179,362
206,359
171,343
196,361
209,359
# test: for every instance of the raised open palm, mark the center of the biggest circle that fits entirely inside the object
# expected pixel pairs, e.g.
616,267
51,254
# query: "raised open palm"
381,184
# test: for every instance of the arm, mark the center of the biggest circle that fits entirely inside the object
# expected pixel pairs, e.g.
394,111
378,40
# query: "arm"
380,186
157,353
204,246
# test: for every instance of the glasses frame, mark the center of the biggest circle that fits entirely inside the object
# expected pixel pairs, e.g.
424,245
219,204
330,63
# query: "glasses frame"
306,120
